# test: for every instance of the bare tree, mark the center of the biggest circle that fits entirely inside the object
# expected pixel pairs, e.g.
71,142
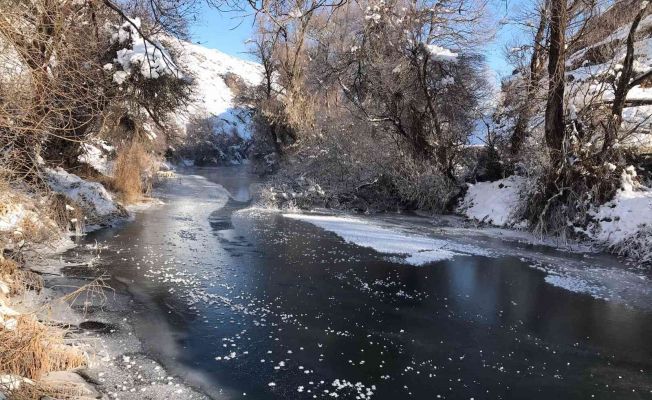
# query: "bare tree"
625,82
554,115
536,64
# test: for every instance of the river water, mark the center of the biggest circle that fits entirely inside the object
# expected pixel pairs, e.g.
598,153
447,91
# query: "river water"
247,303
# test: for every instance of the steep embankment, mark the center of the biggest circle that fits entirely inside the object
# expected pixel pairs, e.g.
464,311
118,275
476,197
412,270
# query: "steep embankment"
214,127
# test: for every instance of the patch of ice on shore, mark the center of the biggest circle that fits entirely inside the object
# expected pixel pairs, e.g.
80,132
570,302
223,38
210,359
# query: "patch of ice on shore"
416,249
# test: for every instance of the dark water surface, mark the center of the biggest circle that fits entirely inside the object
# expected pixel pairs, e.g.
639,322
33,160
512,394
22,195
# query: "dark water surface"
276,308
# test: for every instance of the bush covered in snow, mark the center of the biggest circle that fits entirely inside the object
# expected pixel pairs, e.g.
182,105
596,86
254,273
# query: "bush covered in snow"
149,84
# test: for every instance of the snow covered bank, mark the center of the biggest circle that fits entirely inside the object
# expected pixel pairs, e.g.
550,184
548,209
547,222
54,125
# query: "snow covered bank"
100,209
496,203
624,224
25,224
412,249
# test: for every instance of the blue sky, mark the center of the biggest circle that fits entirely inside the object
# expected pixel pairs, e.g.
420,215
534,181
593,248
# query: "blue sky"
228,32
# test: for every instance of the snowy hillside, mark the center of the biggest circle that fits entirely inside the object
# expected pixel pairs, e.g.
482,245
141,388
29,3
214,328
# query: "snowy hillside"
210,70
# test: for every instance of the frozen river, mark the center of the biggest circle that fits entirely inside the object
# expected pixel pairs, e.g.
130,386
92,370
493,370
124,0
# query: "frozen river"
254,304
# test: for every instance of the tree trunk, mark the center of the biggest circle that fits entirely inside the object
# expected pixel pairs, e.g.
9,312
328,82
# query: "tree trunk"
623,86
536,62
554,117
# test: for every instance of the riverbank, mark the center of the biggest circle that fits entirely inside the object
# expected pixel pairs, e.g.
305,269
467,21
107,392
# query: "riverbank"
621,226
62,337
102,323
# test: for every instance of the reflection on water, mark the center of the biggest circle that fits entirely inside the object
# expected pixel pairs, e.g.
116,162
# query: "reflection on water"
275,308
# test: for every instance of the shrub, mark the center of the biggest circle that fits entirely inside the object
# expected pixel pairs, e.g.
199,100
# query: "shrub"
134,170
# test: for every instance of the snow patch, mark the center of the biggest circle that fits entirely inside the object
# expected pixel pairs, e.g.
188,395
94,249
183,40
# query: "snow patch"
96,156
573,284
441,54
413,249
98,204
150,59
496,203
625,223
10,215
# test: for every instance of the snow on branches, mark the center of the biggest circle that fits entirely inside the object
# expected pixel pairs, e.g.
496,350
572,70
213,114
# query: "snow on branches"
148,58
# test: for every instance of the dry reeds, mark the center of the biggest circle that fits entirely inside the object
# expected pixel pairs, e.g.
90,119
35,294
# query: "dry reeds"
18,280
57,390
33,349
37,231
134,168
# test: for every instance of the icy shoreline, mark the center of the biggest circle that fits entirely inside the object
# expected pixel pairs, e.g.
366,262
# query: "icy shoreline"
118,367
418,241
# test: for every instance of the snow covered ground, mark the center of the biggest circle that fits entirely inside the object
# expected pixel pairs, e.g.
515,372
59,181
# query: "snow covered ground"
589,79
495,203
622,225
98,204
213,97
96,154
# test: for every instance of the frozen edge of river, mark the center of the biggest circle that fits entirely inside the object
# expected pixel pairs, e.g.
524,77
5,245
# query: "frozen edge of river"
582,271
118,366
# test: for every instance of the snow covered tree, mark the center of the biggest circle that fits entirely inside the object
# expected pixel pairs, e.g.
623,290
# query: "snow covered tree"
65,72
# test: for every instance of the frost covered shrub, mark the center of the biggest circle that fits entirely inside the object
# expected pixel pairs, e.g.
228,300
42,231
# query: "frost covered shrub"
563,196
211,141
423,186
637,247
353,92
362,172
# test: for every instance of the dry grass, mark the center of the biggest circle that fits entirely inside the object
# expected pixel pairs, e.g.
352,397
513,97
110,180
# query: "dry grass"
65,213
59,390
7,267
134,168
4,185
17,279
38,231
33,349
